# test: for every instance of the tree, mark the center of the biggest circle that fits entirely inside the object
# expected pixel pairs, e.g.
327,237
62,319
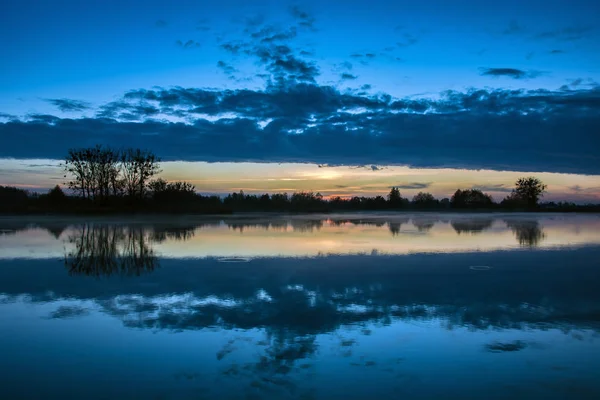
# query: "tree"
470,198
138,167
94,172
529,190
395,198
423,199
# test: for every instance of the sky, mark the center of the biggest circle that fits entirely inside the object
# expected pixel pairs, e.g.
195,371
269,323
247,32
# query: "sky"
346,98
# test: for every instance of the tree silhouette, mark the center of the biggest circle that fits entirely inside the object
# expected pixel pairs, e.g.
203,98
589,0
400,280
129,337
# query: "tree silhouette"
471,198
424,200
529,190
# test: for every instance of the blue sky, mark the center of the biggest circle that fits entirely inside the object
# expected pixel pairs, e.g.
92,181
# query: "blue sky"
474,85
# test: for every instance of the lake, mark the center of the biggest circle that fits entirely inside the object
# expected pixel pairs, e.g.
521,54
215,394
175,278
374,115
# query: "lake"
339,306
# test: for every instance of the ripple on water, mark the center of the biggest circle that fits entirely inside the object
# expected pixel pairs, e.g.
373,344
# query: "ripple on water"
480,267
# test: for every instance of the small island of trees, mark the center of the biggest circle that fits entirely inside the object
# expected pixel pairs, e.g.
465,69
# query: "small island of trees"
101,179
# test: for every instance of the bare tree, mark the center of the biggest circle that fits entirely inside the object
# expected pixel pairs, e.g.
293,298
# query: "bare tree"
138,167
94,172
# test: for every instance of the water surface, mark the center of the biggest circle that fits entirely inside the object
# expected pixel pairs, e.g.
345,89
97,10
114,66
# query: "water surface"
345,306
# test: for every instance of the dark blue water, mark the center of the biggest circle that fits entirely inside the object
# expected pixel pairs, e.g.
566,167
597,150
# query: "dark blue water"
347,307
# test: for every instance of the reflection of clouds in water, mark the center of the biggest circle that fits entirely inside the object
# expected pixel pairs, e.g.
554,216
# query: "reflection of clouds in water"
69,312
498,347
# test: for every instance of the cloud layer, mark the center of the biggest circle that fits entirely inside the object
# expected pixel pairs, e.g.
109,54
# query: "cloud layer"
292,121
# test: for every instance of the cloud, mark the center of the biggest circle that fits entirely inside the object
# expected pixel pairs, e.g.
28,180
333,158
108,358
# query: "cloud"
190,44
567,34
344,65
556,51
510,73
303,18
305,122
413,185
270,46
363,58
347,76
69,105
576,188
63,312
161,23
493,188
227,68
407,40
8,116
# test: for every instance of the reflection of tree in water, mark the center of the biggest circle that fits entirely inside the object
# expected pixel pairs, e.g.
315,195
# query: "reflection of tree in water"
160,234
423,225
472,226
396,225
528,233
109,249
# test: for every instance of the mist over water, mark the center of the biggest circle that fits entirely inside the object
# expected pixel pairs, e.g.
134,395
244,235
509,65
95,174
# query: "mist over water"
301,307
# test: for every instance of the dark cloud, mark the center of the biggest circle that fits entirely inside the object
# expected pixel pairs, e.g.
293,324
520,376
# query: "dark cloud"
127,111
556,51
322,125
270,34
69,105
227,68
161,23
69,312
363,58
510,73
7,116
567,34
269,45
347,76
413,185
190,44
303,18
233,47
493,188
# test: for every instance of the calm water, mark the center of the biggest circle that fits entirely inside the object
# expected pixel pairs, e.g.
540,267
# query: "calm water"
360,306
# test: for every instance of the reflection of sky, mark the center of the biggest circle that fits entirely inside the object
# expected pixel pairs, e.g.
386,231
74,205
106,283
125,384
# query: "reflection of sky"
370,360
294,236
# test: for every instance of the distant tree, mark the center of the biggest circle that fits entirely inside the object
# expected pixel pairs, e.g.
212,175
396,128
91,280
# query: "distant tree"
395,198
56,197
13,199
529,190
423,199
470,198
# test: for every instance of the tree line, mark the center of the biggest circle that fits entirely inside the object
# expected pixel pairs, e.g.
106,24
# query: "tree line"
104,179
